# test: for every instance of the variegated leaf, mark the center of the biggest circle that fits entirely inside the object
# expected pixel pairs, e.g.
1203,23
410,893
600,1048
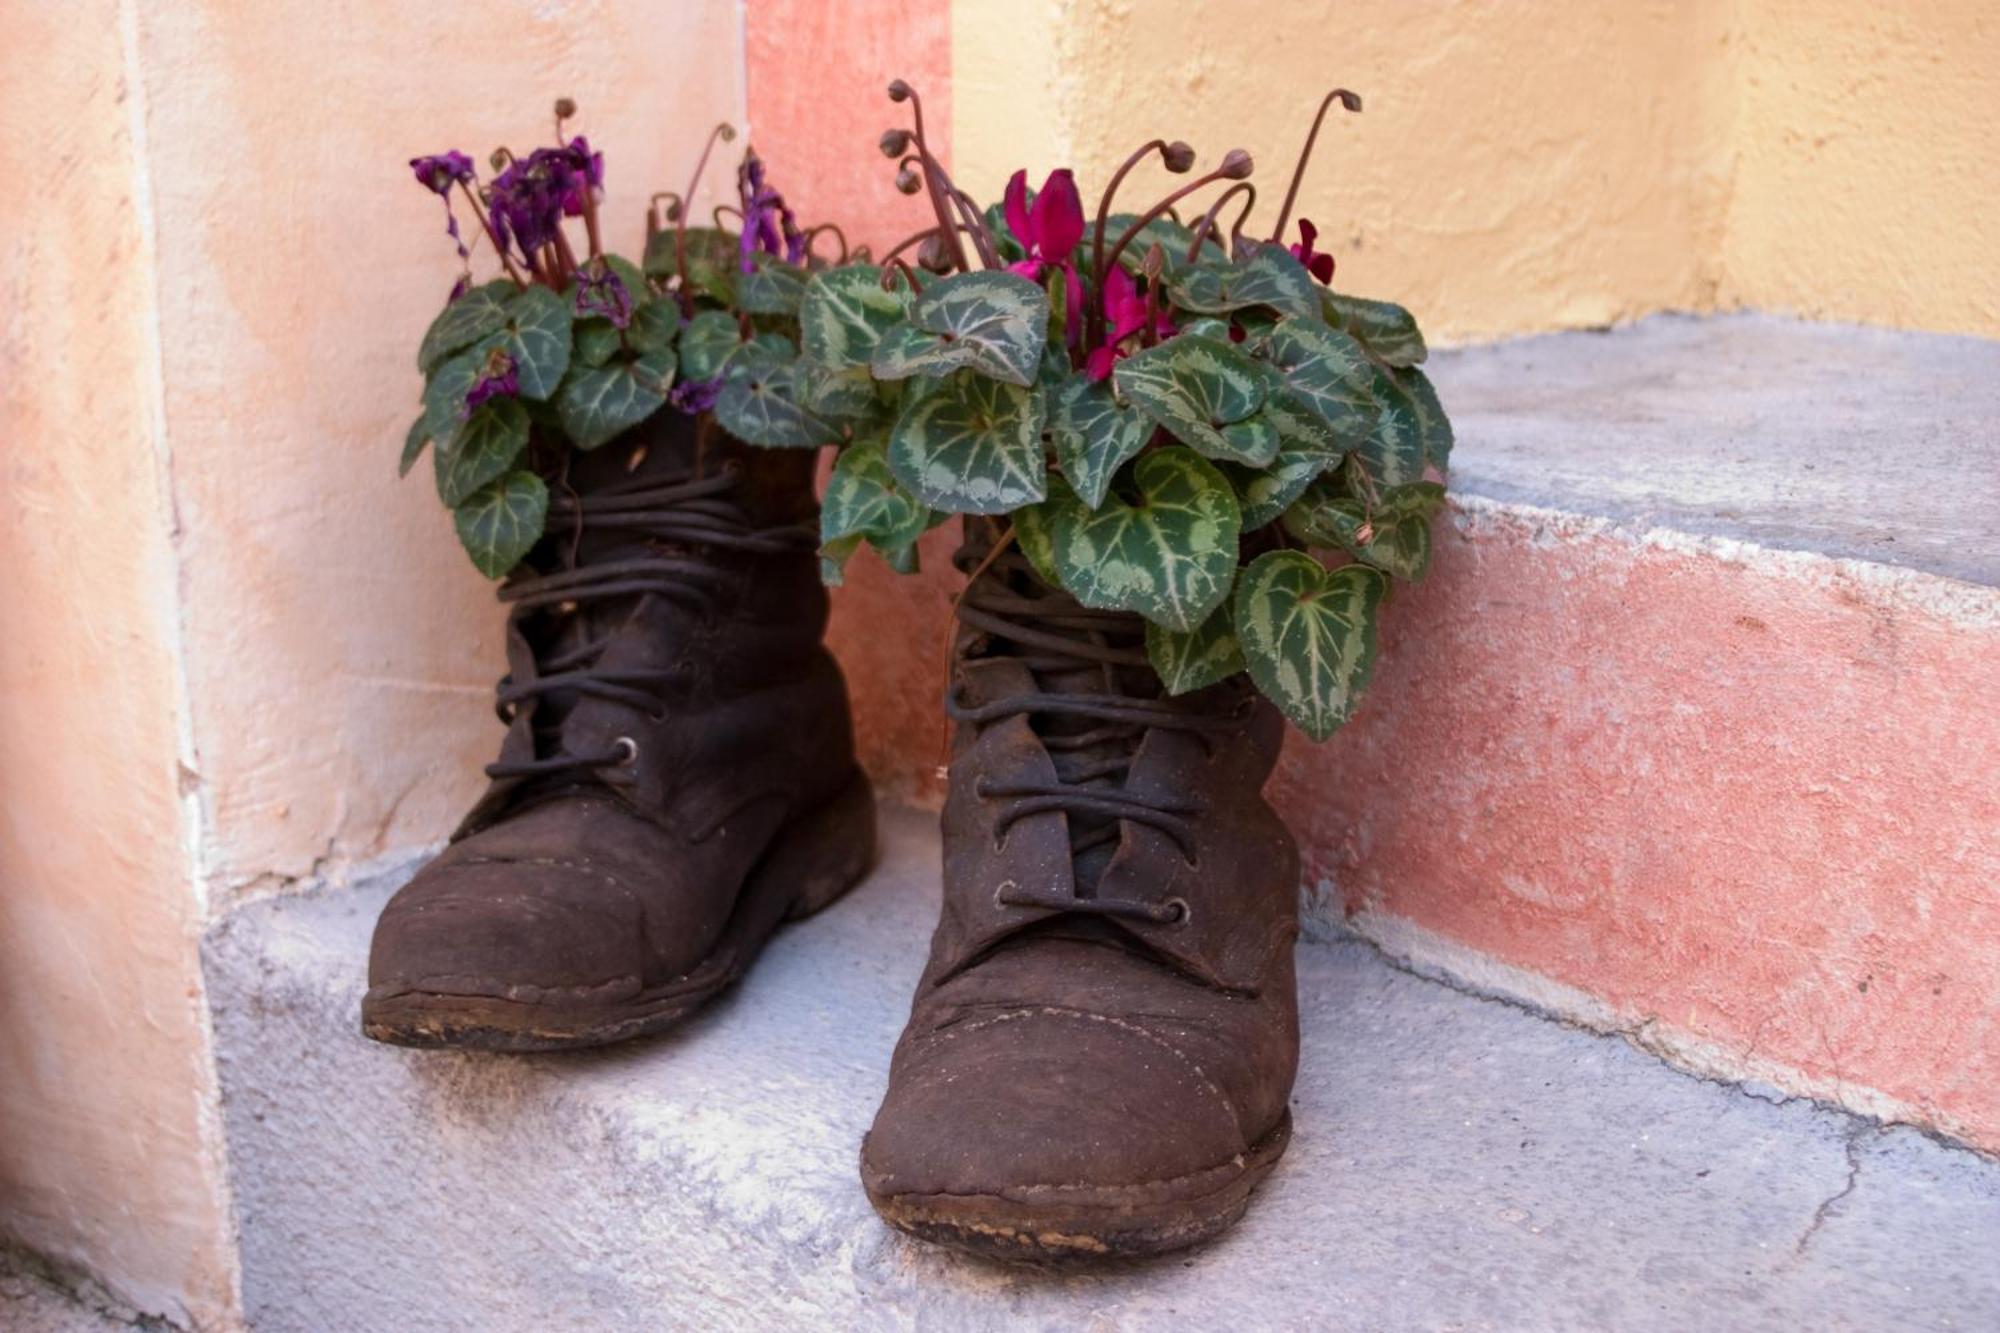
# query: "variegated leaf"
845,313
1270,277
1197,659
1329,374
765,406
1394,449
971,446
772,287
1396,537
1308,635
993,322
444,392
654,327
844,396
1206,393
464,322
1170,557
536,333
863,499
712,256
595,342
1094,434
600,404
414,441
502,521
707,342
1389,330
1435,425
484,447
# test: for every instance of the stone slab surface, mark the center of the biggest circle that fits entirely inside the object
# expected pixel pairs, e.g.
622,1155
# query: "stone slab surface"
36,1298
1459,1163
1860,443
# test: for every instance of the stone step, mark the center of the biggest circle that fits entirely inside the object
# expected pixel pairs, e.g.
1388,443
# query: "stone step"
1459,1162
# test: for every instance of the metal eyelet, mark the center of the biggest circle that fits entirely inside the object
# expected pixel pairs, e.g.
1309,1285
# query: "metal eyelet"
1183,913
628,751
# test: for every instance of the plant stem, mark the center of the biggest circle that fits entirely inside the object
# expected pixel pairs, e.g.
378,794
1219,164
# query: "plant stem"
486,225
725,132
1125,238
1207,223
935,182
1347,100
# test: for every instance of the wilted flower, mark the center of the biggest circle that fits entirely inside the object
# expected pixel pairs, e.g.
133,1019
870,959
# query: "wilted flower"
768,225
532,196
498,378
1318,264
602,293
438,173
695,396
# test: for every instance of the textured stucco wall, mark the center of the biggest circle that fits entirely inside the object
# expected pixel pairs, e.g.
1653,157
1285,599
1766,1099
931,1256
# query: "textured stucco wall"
108,1141
341,651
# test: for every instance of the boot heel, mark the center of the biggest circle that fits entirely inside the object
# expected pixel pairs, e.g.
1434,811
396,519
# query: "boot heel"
826,853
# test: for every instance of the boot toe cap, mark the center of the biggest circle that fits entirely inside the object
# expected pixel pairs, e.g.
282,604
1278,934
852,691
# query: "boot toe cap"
1048,1102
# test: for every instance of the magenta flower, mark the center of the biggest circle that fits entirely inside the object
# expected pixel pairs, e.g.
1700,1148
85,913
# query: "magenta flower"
602,293
1318,264
1049,231
438,173
587,170
1125,312
498,378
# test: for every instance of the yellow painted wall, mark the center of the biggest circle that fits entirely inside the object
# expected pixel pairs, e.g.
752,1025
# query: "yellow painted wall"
1540,164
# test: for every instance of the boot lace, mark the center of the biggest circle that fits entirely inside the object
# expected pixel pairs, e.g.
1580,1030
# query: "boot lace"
676,520
1053,635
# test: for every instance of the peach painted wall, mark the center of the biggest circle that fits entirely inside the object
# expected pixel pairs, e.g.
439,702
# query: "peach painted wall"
341,651
109,1153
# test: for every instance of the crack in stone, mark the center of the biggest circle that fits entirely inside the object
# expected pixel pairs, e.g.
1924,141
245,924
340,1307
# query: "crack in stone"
1826,1206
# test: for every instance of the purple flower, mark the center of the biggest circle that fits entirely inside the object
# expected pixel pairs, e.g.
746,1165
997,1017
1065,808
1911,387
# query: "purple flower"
588,174
768,225
1049,232
532,196
1317,264
438,173
694,397
498,378
601,293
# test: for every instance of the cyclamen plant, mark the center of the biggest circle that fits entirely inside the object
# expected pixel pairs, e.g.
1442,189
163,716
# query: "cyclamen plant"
1165,416
567,351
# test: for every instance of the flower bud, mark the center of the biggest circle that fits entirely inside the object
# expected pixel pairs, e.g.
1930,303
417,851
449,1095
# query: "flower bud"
1156,261
1351,101
725,132
931,254
565,108
894,143
1236,165
1178,156
908,181
899,91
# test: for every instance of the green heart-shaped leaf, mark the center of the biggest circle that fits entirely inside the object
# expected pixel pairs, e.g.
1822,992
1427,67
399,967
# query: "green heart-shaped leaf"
1434,424
1328,374
600,404
764,404
772,287
444,392
1389,330
707,342
864,501
1094,434
594,342
1396,537
1199,388
993,322
502,521
712,256
464,322
654,327
1308,635
413,444
1394,449
1198,658
845,312
1169,557
1269,277
845,396
484,447
972,445
537,335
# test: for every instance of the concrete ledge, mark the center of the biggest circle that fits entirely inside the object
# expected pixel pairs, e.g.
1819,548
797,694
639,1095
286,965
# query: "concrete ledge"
1458,1163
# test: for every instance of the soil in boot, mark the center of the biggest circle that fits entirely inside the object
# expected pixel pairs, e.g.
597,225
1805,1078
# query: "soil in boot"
1101,1048
678,774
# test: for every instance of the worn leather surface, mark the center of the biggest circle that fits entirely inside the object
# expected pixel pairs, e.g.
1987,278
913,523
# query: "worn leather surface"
1059,1054
597,884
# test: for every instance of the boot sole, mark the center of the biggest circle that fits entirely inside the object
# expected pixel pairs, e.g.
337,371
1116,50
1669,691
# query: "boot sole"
1085,1225
812,862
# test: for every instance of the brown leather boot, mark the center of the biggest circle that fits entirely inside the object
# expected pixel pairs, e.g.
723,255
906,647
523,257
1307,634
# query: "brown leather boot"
678,776
1102,1046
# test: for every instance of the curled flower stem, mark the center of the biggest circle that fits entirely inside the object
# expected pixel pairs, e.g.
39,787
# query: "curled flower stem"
975,227
1347,100
486,225
936,183
653,211
1223,172
720,211
1104,207
893,265
1207,223
725,132
812,234
915,238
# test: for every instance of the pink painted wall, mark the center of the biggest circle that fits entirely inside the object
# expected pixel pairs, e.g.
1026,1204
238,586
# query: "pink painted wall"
109,1153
